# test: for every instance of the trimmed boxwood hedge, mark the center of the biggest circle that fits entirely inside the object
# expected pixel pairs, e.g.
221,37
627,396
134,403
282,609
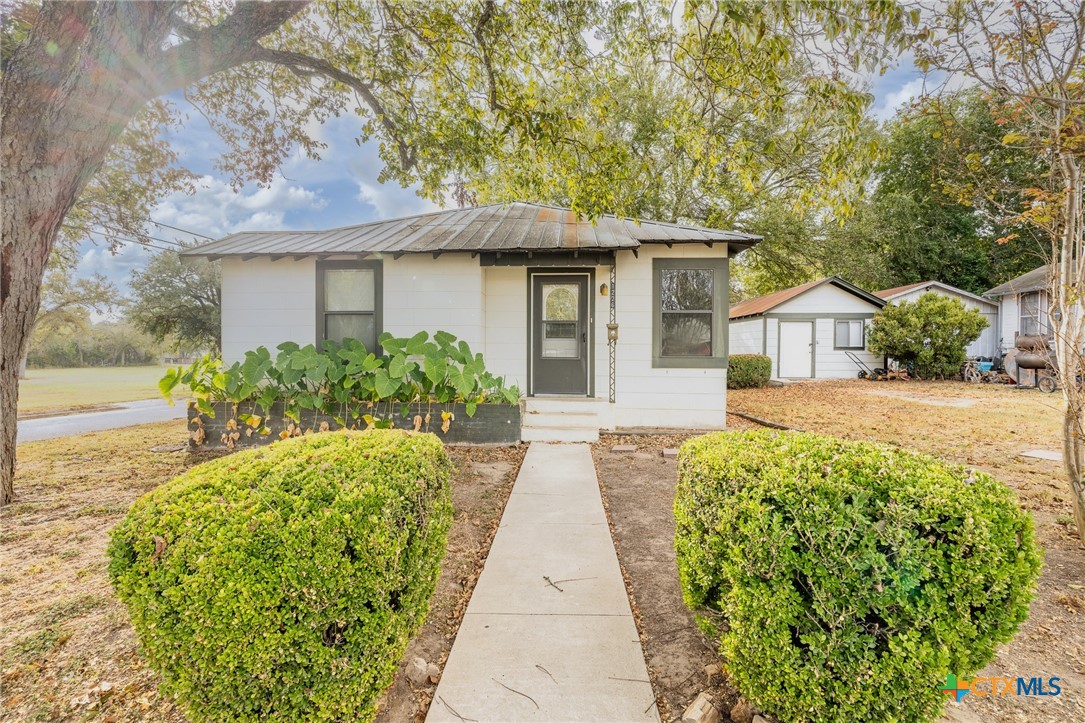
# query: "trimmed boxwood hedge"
845,580
284,583
748,370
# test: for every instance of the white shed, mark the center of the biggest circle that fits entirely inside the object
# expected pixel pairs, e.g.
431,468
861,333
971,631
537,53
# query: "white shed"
987,344
816,330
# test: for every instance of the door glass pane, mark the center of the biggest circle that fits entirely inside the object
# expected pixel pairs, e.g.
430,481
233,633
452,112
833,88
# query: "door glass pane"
685,334
560,302
348,290
351,326
561,327
686,289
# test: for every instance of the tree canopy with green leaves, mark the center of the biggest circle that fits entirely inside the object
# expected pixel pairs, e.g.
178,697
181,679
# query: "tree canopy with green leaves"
451,92
179,301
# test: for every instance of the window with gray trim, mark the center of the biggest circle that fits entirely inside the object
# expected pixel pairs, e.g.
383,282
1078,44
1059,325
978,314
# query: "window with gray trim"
349,301
850,334
689,299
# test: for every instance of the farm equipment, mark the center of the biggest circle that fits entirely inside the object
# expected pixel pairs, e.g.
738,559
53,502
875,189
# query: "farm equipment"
876,374
1033,354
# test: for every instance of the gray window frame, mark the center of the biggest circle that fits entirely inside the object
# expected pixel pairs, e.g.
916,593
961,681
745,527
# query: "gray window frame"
378,296
720,307
862,345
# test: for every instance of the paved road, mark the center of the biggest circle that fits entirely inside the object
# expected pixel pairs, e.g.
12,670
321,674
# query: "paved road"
126,415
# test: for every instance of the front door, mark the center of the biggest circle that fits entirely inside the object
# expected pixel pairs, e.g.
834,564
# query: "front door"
796,349
560,330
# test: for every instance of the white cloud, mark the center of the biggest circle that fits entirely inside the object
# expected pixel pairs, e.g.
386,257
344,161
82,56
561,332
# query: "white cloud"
894,100
216,210
389,200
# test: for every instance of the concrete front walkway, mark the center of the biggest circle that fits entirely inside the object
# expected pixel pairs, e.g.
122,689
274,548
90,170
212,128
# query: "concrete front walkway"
548,634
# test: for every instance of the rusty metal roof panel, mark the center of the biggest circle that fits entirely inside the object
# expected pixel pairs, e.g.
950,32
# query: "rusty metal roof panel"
513,227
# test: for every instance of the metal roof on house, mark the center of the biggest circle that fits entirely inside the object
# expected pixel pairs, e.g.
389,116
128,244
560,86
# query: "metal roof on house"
1034,280
514,228
763,304
890,294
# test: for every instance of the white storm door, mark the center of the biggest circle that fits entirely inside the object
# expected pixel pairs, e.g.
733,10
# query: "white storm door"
796,349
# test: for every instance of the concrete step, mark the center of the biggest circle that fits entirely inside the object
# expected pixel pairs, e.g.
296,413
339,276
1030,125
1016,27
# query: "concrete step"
575,418
564,404
559,434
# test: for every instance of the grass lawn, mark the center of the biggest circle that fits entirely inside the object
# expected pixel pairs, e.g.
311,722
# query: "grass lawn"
67,649
47,390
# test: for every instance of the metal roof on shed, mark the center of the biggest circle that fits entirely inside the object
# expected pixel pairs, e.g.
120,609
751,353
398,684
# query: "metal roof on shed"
514,228
1034,280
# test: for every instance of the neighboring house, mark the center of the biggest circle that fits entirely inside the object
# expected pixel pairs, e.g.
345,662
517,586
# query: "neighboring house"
808,331
531,287
987,344
1023,305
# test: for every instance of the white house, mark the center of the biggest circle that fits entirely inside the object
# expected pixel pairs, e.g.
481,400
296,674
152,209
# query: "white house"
613,324
809,331
987,344
1023,305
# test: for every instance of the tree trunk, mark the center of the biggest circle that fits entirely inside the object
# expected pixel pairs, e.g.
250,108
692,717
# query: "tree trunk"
1068,324
67,93
50,147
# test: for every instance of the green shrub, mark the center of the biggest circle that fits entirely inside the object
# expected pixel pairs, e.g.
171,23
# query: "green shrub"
846,580
929,334
284,583
748,370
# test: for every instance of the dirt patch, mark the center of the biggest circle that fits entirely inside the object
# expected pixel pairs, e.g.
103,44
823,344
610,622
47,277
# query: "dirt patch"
638,492
480,489
67,650
932,401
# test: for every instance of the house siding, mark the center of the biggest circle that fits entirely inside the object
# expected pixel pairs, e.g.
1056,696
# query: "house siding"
266,303
746,336
648,396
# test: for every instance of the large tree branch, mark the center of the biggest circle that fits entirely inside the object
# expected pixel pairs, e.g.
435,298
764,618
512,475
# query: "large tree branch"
222,46
308,66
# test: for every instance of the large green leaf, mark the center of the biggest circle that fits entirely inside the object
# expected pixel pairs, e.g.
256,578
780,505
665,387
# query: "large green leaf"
415,346
462,379
397,366
168,382
436,368
385,385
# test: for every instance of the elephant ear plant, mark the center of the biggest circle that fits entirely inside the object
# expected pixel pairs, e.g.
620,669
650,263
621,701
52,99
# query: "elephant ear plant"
347,382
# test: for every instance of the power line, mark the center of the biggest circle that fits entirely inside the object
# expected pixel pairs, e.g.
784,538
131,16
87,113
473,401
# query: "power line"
125,239
182,230
115,230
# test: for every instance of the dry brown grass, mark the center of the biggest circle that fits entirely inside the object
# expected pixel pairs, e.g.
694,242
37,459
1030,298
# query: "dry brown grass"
65,636
67,649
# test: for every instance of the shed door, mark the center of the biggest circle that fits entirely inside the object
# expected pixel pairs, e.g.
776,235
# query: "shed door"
559,334
796,349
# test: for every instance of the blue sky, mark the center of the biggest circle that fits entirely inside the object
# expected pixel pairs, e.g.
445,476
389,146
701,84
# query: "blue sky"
338,190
